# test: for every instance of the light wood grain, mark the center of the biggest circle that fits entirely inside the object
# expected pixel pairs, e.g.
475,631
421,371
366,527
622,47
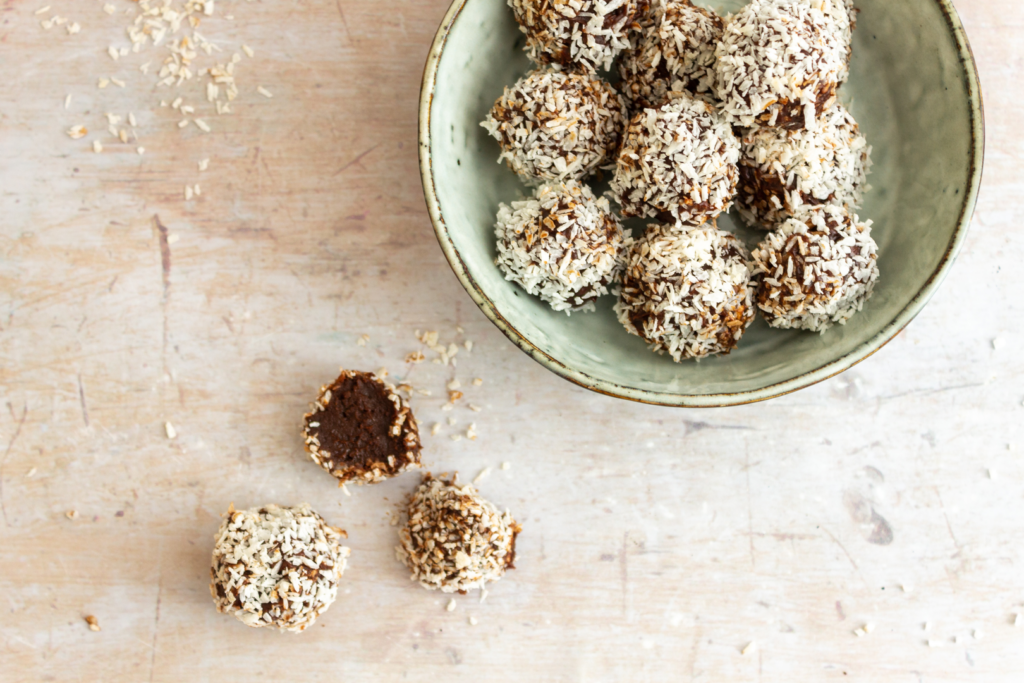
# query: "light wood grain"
657,543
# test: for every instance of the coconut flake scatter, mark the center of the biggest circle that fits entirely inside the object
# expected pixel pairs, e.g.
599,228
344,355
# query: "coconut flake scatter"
783,172
779,64
816,270
276,566
557,126
577,33
563,245
453,539
687,291
675,51
678,160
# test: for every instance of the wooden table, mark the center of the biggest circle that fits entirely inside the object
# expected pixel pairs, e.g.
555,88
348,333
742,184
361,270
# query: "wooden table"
657,543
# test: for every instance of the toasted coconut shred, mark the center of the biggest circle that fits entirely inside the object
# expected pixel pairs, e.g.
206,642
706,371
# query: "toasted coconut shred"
454,540
276,566
784,172
675,51
687,291
816,270
563,245
557,126
569,33
678,160
779,64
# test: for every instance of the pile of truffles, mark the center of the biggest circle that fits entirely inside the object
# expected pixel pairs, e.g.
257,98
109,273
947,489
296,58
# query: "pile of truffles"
709,112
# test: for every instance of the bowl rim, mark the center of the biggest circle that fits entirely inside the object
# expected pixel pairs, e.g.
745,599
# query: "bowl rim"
802,381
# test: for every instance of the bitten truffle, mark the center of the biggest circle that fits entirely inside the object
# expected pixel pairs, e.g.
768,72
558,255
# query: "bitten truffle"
276,566
783,172
555,126
674,51
453,539
677,162
687,291
779,64
816,270
361,429
563,245
584,34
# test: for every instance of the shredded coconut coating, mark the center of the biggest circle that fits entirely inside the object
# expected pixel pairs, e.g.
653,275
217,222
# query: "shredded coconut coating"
563,245
783,172
675,51
584,34
844,14
779,64
453,539
677,162
816,270
687,291
277,567
555,126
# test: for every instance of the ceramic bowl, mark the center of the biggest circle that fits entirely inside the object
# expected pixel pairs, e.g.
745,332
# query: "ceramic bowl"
914,91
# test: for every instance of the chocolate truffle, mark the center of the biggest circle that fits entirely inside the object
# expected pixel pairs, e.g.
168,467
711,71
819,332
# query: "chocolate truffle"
453,539
782,172
557,126
677,162
276,566
563,245
674,51
779,64
687,291
816,270
361,429
584,34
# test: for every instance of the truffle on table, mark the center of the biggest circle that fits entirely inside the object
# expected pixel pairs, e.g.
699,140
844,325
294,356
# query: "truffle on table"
361,429
779,64
782,172
677,162
454,540
687,291
675,51
563,245
816,270
553,125
584,34
276,567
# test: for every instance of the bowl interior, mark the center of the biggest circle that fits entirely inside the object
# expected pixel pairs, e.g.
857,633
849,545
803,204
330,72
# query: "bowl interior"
909,90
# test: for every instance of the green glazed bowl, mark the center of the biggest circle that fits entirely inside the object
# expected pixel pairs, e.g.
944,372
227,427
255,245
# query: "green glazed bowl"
914,91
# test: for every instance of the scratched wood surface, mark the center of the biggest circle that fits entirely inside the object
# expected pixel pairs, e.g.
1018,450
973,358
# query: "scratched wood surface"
657,543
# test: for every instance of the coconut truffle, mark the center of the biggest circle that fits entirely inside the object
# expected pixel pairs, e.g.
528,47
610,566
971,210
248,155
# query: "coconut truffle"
563,245
557,126
677,162
816,270
675,52
360,429
687,291
453,539
276,566
779,64
844,14
587,34
782,172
